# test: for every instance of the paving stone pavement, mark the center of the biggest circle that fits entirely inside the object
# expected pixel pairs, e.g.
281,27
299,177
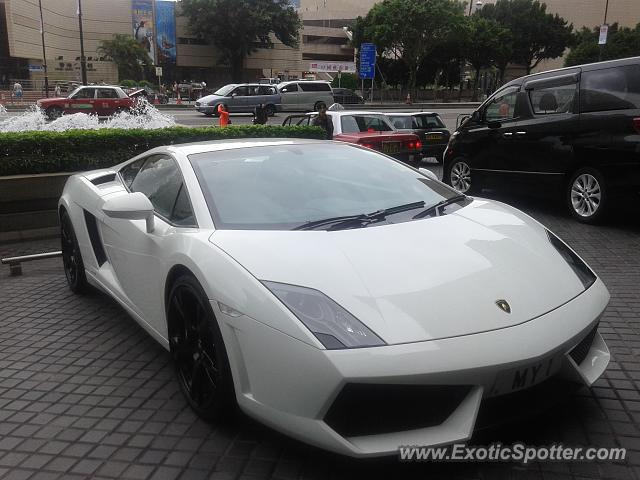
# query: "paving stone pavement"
86,393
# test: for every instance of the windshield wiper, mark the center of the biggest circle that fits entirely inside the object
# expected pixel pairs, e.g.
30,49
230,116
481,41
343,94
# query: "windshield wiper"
443,203
363,218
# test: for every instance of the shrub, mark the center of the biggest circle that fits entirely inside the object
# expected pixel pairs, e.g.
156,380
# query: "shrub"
146,84
76,150
128,83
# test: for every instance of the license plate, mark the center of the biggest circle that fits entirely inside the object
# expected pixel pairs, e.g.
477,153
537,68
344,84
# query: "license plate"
434,136
524,377
390,147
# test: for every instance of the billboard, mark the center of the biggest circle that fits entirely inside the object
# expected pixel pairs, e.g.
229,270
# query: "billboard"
166,32
345,67
142,17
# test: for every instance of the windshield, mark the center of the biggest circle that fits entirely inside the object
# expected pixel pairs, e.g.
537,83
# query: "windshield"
282,187
364,123
224,90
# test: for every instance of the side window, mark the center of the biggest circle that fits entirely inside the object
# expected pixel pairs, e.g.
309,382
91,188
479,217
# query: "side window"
241,91
615,88
502,106
325,87
266,91
182,213
309,87
549,100
129,172
160,180
86,93
107,93
293,87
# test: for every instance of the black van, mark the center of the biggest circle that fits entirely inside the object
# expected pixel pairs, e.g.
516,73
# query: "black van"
574,131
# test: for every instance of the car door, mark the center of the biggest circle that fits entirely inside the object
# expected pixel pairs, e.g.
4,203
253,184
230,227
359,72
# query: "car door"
291,97
491,137
83,101
253,97
106,101
543,140
139,258
240,98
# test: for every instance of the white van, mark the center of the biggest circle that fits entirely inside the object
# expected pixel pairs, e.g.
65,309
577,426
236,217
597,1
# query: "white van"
304,95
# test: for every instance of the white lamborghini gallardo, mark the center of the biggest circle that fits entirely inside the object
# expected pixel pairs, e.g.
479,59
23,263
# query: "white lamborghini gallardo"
332,292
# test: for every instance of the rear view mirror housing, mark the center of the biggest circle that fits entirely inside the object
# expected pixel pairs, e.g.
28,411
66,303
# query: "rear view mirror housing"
132,206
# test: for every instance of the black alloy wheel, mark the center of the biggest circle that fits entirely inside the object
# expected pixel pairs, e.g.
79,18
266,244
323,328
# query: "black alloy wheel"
271,110
71,257
54,113
198,351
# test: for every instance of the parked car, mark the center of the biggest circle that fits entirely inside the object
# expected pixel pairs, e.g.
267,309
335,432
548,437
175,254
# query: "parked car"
344,96
305,95
573,131
99,100
369,129
331,292
428,126
242,97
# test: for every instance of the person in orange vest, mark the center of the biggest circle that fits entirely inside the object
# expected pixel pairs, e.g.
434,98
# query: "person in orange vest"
223,113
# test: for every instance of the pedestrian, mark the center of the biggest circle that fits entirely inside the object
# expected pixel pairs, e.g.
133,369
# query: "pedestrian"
17,91
57,92
324,121
260,116
223,113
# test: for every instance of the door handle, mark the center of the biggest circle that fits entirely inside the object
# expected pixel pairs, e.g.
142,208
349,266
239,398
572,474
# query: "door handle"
521,133
507,134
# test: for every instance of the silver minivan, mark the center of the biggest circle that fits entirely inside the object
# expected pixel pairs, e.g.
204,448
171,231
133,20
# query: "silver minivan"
305,95
244,97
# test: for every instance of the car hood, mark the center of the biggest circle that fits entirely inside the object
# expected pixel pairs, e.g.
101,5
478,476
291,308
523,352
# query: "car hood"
52,100
209,98
421,280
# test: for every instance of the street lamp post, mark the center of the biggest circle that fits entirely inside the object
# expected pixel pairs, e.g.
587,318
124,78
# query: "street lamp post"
83,60
478,4
44,53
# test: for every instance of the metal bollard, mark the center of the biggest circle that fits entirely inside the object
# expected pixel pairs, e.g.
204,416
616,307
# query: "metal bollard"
15,263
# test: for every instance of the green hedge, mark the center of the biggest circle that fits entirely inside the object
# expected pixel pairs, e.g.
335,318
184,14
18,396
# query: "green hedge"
77,150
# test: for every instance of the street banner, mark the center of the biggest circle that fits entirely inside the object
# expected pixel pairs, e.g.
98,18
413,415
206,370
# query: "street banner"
367,60
142,17
333,67
166,32
604,30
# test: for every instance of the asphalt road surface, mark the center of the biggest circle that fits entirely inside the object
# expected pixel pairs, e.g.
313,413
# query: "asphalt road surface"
189,117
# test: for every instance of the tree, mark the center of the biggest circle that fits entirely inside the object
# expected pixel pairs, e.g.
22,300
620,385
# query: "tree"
621,43
537,35
484,40
347,80
131,58
239,27
409,29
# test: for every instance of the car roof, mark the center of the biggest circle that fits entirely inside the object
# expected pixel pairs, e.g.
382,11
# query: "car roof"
409,114
231,144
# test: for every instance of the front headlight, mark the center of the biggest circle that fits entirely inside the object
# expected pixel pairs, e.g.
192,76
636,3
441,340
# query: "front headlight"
581,269
329,322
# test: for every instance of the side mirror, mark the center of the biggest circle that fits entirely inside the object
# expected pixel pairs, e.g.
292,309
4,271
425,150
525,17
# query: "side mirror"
428,173
132,206
475,116
233,95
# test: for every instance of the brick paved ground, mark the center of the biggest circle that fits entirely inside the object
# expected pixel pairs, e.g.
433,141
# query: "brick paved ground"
86,393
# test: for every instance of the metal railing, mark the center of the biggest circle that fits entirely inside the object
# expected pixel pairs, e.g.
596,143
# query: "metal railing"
15,263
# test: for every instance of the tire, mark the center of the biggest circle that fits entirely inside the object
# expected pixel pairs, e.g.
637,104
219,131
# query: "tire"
271,110
71,256
198,351
586,196
208,114
458,175
121,110
54,113
215,111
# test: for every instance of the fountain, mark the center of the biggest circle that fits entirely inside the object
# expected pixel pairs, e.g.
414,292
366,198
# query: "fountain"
144,116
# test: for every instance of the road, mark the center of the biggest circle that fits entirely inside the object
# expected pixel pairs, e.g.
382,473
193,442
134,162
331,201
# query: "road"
189,117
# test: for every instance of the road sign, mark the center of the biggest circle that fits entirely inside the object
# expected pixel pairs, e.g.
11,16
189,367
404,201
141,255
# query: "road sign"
367,60
604,29
158,71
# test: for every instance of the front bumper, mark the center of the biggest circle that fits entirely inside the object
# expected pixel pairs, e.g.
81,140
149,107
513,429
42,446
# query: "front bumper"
292,386
205,108
434,150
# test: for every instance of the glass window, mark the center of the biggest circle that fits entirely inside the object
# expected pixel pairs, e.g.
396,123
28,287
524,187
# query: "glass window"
224,91
280,187
107,93
160,180
266,90
129,172
182,213
241,91
427,121
364,123
502,106
615,88
85,93
401,122
550,100
293,87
